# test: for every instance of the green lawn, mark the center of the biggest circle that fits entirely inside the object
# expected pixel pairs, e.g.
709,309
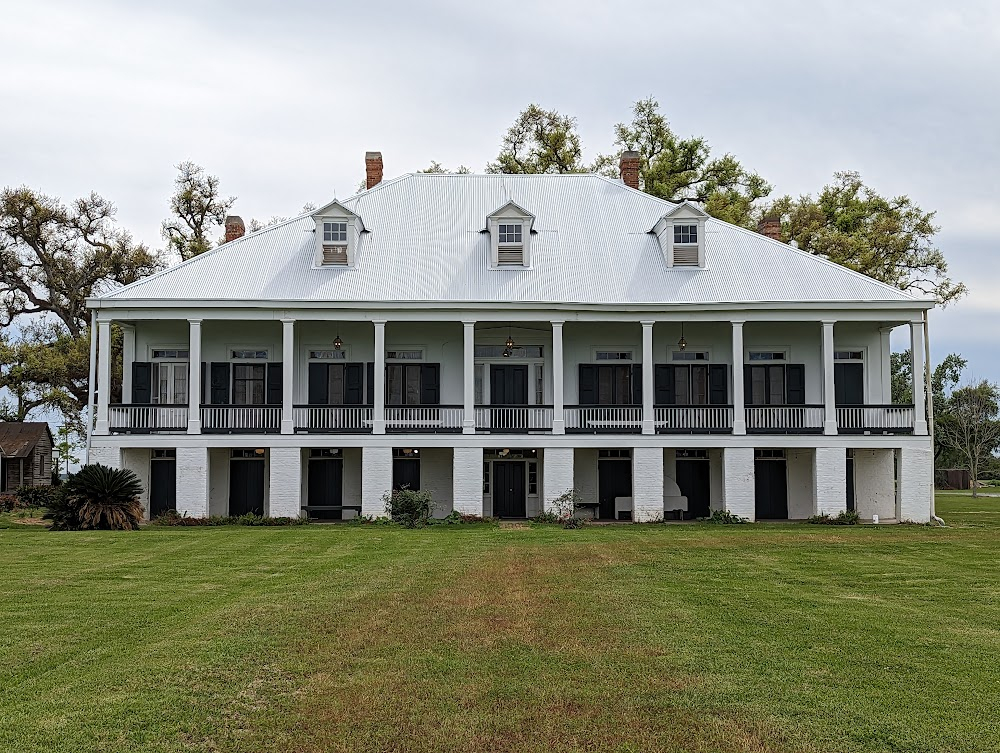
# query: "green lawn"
331,638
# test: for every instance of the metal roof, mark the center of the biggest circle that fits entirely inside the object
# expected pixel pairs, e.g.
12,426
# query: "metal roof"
424,242
18,438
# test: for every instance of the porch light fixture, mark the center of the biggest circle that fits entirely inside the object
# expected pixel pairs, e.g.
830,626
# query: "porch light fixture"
337,342
509,345
682,343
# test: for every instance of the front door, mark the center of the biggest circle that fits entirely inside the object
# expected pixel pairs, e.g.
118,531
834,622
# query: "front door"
508,489
694,479
849,383
771,488
614,479
246,486
509,384
850,481
406,474
162,486
326,487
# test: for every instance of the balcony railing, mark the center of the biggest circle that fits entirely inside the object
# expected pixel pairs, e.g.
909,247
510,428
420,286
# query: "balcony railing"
429,418
888,419
252,419
694,419
604,418
332,418
147,418
514,418
785,419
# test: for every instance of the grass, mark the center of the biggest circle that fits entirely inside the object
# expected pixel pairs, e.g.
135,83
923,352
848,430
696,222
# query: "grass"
475,638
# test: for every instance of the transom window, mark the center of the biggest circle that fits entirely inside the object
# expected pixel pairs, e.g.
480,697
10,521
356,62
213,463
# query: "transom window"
171,353
849,355
164,453
614,355
404,355
244,454
769,454
614,453
334,232
256,355
509,233
766,355
328,355
496,351
689,355
323,452
691,454
685,234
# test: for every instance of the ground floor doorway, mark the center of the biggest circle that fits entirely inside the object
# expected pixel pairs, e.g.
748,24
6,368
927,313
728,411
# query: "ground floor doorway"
162,482
770,485
694,479
614,481
247,470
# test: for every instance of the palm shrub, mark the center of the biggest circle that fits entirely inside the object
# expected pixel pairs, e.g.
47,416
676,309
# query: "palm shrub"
98,497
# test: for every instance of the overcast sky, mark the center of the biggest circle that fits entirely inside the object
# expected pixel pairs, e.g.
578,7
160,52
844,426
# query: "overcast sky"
281,101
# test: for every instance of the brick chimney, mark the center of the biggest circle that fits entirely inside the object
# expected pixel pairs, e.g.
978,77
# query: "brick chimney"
629,167
373,168
770,227
234,228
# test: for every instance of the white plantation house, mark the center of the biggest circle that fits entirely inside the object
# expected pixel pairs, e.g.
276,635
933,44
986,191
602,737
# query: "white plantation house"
498,340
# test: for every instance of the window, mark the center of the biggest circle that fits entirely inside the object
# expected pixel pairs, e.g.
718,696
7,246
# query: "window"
496,351
486,478
767,385
404,453
334,232
614,453
849,355
691,454
769,355
242,454
685,234
164,453
171,381
324,452
614,355
260,355
539,384
691,385
170,353
248,383
479,380
509,233
328,355
404,355
689,355
532,478
614,385
769,454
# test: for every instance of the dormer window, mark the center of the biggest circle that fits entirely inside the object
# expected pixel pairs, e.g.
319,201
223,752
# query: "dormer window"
681,233
685,235
337,232
510,236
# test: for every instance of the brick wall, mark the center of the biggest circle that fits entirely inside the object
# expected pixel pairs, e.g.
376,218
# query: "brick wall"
467,476
106,454
285,469
874,483
436,478
137,460
192,481
916,484
647,484
376,479
830,478
557,473
738,476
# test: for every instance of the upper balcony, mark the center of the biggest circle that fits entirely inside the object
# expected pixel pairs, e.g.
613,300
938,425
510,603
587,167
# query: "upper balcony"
477,378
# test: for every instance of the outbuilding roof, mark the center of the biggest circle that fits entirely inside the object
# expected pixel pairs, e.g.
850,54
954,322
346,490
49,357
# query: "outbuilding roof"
592,245
18,439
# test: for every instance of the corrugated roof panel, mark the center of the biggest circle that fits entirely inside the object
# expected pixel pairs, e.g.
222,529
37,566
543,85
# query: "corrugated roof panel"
425,243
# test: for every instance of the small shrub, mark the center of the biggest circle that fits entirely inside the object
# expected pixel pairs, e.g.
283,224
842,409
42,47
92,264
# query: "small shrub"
35,496
574,522
408,507
843,518
724,517
173,518
11,502
547,516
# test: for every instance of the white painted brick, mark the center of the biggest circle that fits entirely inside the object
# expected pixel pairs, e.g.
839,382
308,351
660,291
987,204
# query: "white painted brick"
647,484
106,453
285,492
874,483
916,484
192,481
137,460
799,465
830,479
467,476
738,477
436,479
557,473
376,479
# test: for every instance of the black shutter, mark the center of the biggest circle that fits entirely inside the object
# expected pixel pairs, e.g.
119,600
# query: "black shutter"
142,382
588,384
664,384
204,383
430,383
718,384
220,384
319,383
370,381
354,384
747,385
637,384
795,384
273,387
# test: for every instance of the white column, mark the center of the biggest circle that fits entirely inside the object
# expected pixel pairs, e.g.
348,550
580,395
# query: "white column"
557,474
558,418
376,479
103,375
192,481
467,480
916,483
917,362
885,334
829,395
739,493
128,358
648,374
647,484
287,375
830,480
469,372
284,494
194,377
739,411
378,410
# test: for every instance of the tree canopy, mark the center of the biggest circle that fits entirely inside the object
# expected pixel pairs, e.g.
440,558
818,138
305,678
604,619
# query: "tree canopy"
540,141
197,210
971,427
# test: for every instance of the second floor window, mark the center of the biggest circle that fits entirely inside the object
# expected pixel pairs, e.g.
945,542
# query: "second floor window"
412,384
774,384
509,234
335,232
609,384
685,235
248,383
